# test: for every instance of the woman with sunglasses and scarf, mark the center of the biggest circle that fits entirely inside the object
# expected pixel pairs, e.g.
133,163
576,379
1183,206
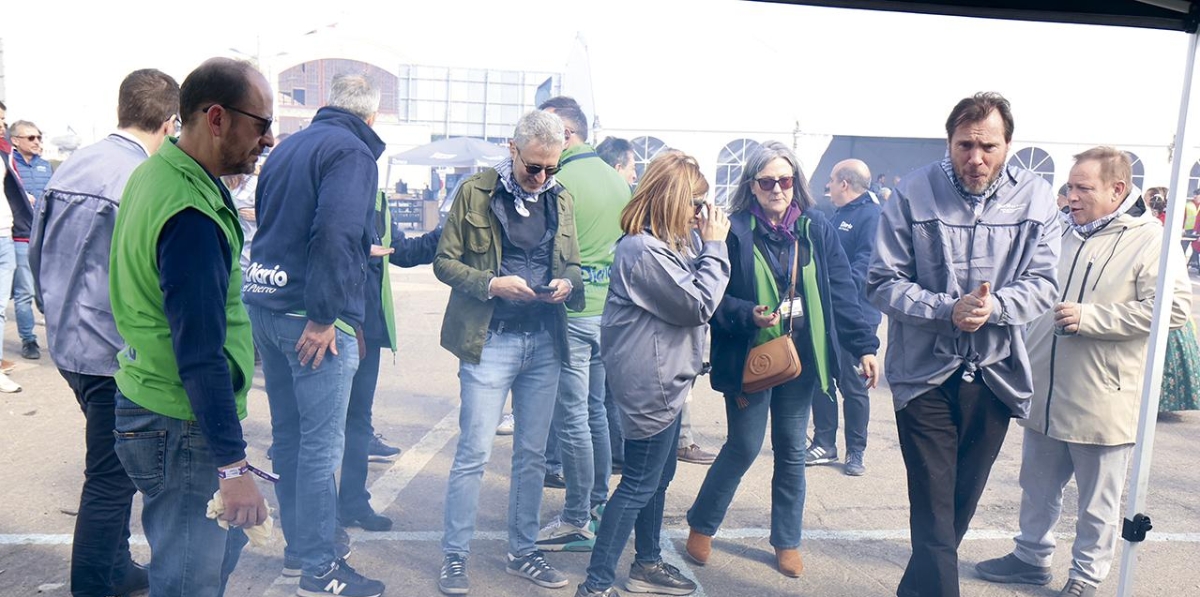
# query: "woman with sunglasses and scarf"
773,230
664,287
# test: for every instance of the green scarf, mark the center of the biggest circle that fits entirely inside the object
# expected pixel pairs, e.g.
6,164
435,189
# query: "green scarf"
767,293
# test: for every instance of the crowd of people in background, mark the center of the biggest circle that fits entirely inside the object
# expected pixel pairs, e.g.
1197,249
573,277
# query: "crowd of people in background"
192,245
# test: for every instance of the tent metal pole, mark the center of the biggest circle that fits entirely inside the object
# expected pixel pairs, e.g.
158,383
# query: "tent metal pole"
1168,265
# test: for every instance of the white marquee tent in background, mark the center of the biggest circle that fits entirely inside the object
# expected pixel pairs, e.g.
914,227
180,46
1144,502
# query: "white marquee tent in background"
1168,15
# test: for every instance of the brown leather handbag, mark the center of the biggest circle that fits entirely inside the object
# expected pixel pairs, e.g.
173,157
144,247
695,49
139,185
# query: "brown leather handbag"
774,362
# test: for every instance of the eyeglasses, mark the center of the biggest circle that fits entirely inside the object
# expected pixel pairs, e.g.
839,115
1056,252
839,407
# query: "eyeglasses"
534,169
264,123
177,123
768,184
30,138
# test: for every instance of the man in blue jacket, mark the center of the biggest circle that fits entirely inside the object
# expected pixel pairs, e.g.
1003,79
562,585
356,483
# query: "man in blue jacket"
35,172
304,292
855,221
68,254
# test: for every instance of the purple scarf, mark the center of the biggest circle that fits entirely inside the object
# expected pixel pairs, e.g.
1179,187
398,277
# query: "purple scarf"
785,227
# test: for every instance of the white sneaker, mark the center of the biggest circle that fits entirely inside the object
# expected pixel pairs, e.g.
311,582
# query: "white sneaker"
8,386
506,425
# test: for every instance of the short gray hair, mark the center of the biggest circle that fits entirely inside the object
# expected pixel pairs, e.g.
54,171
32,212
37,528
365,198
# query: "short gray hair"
743,196
542,127
355,94
855,177
23,124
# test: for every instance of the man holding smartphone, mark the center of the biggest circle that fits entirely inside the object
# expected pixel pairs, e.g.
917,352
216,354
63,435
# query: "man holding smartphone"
510,231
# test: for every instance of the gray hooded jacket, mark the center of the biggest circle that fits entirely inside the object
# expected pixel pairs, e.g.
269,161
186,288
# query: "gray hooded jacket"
69,249
654,324
932,247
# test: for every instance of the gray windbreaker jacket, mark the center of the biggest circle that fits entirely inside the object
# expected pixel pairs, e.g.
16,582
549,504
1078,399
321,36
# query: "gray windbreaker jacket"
69,249
933,247
654,324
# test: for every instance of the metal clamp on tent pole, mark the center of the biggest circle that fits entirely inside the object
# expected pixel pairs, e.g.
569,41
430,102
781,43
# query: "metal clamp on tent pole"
1135,530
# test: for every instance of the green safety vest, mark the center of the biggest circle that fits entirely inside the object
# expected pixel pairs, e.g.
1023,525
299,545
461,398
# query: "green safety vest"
167,183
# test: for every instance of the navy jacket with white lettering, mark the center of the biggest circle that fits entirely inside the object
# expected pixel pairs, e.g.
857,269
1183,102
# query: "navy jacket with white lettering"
855,223
315,206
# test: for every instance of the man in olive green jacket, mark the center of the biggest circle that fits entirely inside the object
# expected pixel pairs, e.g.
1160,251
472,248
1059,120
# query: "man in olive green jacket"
510,254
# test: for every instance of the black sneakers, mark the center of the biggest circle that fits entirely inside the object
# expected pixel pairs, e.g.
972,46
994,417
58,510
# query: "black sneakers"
583,592
371,521
453,579
378,451
30,350
661,578
341,580
1011,569
817,455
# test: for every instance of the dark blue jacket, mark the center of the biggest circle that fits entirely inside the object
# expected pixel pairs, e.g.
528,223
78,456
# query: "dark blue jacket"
315,206
855,223
733,328
18,203
35,174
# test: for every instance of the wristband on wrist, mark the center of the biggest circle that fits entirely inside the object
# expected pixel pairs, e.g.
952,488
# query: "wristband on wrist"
234,472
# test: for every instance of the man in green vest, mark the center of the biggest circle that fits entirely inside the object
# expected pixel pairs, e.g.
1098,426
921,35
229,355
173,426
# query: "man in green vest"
579,430
189,360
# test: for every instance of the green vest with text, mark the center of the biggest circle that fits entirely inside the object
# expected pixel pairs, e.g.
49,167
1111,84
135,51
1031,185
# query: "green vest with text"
167,183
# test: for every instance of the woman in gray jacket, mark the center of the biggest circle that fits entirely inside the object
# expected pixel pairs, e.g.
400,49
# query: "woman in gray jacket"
664,287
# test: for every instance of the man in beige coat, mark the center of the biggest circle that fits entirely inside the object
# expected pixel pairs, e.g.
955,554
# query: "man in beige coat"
1089,356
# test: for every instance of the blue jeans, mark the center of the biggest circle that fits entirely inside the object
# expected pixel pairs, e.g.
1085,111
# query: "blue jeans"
581,423
788,406
354,501
308,432
171,465
8,267
526,364
636,507
22,291
856,407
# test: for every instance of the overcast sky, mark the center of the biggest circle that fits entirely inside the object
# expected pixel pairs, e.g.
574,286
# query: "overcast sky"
656,64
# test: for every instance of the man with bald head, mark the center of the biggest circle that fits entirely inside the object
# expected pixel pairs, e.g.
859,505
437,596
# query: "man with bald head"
176,293
856,218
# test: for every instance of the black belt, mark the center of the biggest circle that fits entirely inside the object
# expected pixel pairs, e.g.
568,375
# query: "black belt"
517,326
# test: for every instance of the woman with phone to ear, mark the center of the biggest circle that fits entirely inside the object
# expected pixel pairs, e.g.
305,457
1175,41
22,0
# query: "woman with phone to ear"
664,286
773,228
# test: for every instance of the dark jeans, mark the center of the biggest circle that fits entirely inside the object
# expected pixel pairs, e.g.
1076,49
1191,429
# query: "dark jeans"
172,466
615,436
788,406
949,437
354,501
100,548
856,407
636,505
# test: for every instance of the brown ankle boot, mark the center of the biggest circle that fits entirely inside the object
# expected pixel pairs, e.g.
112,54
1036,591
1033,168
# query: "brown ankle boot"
790,563
699,547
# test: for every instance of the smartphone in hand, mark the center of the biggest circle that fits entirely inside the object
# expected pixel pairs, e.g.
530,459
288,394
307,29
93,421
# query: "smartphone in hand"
543,289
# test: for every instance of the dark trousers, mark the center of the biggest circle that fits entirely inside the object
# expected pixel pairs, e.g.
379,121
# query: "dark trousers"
949,437
615,436
856,408
354,501
100,548
635,507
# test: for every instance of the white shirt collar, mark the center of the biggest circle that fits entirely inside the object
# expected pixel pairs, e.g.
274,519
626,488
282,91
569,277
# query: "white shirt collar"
130,136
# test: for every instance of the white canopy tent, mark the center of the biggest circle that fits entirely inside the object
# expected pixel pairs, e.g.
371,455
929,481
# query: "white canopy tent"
1170,15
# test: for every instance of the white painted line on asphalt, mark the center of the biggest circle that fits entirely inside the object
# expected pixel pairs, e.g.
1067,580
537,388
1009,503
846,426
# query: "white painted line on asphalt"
387,487
671,556
730,534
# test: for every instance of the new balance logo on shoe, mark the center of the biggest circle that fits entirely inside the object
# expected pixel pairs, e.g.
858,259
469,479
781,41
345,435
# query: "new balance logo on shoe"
335,586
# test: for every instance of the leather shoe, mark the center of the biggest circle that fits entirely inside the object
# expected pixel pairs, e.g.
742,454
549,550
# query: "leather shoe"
790,563
554,481
30,350
376,523
135,579
699,547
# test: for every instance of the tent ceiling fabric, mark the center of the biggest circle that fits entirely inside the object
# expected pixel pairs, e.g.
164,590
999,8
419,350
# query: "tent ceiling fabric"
1175,15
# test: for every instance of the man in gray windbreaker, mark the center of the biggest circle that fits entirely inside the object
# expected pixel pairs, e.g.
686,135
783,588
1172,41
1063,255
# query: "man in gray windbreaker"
965,258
